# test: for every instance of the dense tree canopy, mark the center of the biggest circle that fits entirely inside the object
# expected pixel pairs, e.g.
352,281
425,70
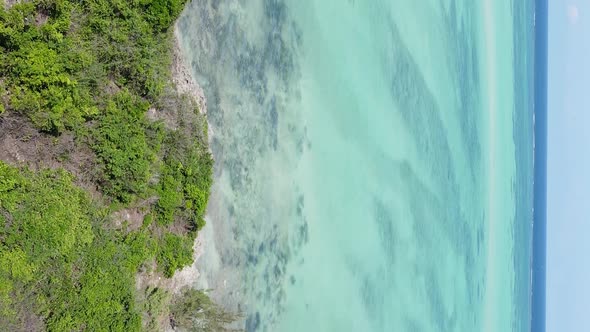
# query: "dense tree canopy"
92,69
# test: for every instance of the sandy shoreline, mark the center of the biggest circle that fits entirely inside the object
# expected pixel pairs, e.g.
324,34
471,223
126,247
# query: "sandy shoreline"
184,84
212,238
182,75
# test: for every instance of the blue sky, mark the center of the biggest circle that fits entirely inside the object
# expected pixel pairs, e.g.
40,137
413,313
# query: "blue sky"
568,215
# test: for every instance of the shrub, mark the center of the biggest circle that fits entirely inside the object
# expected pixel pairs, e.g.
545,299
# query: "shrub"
193,310
56,264
122,147
174,252
93,68
186,181
163,12
155,306
171,198
40,66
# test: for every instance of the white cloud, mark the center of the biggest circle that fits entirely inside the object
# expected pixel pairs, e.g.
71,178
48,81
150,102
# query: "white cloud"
573,14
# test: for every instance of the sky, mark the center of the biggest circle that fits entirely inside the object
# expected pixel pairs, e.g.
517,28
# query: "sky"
568,167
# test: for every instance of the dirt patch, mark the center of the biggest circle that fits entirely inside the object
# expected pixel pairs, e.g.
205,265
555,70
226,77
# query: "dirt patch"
22,145
168,115
150,277
180,227
181,101
41,18
182,76
112,88
132,218
10,3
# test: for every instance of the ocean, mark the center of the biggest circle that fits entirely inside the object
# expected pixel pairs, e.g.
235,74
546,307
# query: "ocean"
373,162
540,170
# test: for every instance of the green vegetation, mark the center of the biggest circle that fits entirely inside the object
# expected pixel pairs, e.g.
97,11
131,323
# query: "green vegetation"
185,183
123,147
56,261
41,64
92,69
61,57
189,310
174,253
193,310
156,304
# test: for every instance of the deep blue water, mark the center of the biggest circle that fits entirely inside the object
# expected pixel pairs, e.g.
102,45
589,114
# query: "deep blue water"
523,43
540,186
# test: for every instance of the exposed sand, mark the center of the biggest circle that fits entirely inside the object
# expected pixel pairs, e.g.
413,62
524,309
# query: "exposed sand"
215,233
185,84
10,3
182,75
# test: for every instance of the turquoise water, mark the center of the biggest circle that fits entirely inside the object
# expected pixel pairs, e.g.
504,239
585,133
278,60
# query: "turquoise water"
373,162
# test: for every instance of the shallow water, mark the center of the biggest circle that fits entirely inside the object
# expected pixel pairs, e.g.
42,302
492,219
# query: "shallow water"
373,162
